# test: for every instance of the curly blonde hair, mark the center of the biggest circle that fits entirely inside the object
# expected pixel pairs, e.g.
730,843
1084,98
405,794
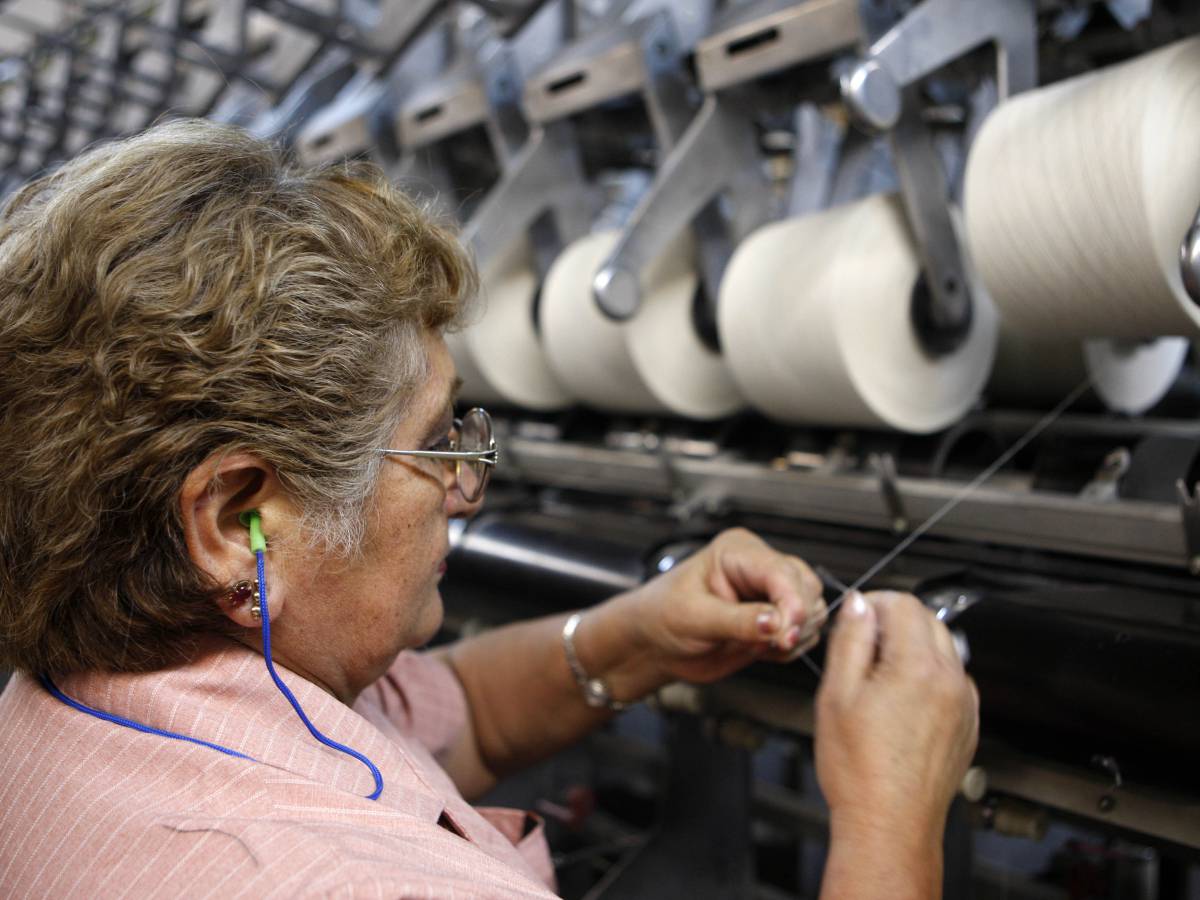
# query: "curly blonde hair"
179,293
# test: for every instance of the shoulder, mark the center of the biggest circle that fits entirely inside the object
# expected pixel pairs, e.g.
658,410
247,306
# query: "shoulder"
158,854
395,857
88,809
421,696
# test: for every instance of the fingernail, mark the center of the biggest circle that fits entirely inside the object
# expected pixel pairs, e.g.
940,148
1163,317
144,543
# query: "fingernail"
857,607
767,622
792,638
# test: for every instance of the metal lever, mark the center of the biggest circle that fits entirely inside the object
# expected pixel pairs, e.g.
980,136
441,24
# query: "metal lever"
546,175
881,92
941,310
717,152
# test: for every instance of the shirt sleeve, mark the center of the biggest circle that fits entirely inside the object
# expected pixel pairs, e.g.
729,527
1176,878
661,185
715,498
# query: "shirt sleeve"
422,697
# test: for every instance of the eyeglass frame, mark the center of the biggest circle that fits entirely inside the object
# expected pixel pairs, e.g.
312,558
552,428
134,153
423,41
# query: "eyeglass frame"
489,457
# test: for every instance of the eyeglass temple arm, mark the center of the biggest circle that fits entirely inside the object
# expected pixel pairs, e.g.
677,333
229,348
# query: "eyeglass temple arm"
487,457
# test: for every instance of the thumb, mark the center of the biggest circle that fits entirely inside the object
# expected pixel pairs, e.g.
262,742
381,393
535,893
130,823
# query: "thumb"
852,647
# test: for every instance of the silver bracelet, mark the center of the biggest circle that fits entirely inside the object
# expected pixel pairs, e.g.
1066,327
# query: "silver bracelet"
595,691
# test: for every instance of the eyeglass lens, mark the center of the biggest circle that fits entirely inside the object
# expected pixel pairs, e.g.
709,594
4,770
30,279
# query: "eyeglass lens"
474,434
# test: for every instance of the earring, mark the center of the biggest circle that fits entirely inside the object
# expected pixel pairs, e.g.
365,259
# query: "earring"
242,592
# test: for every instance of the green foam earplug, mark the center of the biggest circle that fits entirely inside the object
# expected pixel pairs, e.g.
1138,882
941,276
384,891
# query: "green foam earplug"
252,520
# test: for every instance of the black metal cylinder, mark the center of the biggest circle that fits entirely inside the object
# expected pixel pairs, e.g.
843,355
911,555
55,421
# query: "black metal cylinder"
1090,690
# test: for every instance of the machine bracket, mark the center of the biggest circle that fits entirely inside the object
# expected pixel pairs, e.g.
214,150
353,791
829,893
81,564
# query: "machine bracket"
882,93
479,89
1104,484
885,467
715,152
709,500
545,175
766,36
815,158
618,60
350,125
718,153
932,35
1108,801
1189,508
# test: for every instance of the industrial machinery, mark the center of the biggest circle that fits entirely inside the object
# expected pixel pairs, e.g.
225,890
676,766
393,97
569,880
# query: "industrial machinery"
849,273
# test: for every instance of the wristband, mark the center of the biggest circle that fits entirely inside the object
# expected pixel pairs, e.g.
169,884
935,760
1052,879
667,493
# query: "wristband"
595,690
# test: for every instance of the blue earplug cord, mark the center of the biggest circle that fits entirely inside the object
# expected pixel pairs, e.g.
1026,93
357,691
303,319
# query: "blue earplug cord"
259,545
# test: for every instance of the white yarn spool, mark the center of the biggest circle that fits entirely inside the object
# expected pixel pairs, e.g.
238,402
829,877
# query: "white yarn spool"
1078,196
653,363
685,376
814,316
586,349
476,391
1127,377
505,350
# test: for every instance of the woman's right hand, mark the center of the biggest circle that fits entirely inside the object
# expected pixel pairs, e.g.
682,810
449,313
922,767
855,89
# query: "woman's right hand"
897,726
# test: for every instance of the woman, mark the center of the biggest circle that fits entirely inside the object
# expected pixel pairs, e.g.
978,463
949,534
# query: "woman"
195,338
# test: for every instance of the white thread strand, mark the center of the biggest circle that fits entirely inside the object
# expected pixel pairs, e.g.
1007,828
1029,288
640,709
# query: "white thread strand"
1038,427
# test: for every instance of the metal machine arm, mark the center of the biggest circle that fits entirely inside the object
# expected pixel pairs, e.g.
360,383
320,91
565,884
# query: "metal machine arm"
881,92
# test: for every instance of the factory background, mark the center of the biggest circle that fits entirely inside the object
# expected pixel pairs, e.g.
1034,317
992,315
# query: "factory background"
850,273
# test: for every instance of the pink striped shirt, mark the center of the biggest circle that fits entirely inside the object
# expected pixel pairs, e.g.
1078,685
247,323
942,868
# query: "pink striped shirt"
89,808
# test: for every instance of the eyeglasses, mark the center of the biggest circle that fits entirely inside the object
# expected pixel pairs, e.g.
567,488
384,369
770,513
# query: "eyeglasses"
471,449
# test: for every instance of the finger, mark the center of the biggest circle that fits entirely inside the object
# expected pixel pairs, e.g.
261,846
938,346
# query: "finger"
851,654
773,653
751,623
752,571
809,637
719,577
905,631
972,702
812,592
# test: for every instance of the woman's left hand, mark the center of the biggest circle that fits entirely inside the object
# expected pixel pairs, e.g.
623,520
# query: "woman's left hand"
735,601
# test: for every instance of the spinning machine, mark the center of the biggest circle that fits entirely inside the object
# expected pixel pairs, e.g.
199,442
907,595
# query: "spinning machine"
849,273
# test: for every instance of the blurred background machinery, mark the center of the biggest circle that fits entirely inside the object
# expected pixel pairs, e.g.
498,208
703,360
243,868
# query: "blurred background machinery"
806,266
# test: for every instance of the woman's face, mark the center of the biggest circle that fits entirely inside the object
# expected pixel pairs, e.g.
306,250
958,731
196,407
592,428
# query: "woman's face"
344,621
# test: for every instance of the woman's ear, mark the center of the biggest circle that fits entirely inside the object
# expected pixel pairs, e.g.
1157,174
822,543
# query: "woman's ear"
213,497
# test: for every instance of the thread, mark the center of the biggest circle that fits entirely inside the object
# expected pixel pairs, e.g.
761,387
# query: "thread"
963,493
